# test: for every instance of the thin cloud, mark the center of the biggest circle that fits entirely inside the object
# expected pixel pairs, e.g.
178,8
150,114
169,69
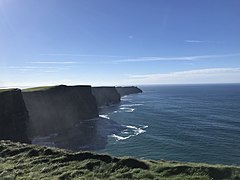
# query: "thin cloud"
191,72
69,64
50,71
179,58
199,41
210,75
194,41
82,55
30,67
53,62
39,69
24,70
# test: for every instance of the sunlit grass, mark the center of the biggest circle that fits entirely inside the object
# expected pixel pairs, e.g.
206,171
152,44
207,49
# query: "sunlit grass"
41,88
21,161
5,90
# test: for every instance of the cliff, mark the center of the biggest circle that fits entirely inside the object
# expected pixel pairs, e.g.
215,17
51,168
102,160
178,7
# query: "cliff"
61,116
106,95
22,161
58,108
13,116
123,91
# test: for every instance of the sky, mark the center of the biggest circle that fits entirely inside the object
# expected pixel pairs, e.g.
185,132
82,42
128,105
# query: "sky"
119,42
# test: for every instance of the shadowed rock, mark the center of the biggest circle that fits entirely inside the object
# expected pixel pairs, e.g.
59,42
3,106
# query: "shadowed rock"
13,116
123,91
58,108
67,116
60,116
86,135
106,95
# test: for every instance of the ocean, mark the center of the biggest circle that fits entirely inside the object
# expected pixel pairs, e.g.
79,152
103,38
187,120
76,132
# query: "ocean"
194,123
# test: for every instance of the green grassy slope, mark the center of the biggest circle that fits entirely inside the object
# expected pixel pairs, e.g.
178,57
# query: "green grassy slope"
21,161
42,88
5,90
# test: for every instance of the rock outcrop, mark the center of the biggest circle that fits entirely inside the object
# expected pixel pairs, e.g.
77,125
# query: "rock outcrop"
13,116
58,108
123,91
106,95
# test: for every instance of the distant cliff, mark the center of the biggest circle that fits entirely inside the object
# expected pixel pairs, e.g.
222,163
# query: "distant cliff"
60,113
58,108
106,95
123,91
13,116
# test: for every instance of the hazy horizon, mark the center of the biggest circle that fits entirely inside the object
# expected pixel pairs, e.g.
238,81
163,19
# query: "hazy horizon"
123,85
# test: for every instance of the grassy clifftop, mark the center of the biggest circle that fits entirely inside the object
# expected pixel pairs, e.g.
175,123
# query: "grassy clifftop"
42,88
5,90
22,161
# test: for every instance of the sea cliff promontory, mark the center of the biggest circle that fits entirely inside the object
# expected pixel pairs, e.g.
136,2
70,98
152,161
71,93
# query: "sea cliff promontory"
123,91
67,116
106,95
13,116
55,109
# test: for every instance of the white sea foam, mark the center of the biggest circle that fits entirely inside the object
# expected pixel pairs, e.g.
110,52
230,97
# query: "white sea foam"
126,99
118,138
131,131
139,131
127,109
130,105
104,116
132,127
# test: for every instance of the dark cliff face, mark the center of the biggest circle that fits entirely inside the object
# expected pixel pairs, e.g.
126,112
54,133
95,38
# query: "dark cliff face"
13,116
123,91
106,95
58,108
61,114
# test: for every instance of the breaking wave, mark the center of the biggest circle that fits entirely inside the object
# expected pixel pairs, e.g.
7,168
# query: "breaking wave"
105,116
130,105
125,109
130,131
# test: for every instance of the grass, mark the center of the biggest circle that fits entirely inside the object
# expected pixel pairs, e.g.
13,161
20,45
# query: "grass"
22,161
41,88
5,90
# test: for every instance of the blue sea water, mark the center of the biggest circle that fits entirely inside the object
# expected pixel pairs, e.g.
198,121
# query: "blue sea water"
196,123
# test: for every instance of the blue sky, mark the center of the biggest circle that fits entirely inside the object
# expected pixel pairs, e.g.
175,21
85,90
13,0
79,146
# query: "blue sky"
119,42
